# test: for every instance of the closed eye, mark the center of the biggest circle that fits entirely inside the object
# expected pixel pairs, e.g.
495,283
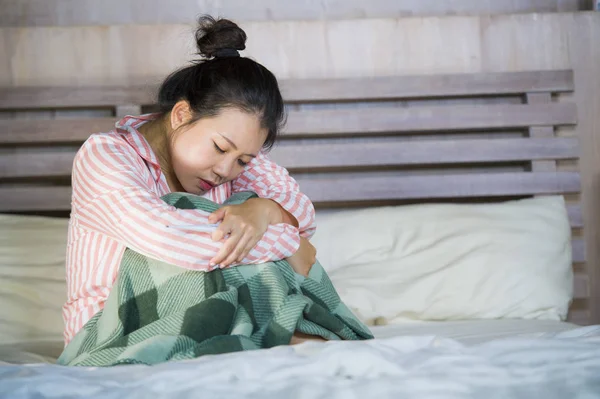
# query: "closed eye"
219,150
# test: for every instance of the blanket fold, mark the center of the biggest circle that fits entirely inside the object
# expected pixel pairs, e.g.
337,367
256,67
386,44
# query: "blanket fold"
158,312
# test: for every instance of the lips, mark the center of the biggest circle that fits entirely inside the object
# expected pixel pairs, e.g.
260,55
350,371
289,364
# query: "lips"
204,185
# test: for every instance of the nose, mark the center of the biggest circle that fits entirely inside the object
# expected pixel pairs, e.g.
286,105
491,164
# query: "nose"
223,169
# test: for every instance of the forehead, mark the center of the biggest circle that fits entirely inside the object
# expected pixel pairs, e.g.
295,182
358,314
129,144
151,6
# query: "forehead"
241,128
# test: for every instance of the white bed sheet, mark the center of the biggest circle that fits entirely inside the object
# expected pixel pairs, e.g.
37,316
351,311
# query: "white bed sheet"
470,332
467,332
558,364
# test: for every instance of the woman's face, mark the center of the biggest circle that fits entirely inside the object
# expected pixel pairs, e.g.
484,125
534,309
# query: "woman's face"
213,150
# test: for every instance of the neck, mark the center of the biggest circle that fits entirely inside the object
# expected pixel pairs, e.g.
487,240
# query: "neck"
156,132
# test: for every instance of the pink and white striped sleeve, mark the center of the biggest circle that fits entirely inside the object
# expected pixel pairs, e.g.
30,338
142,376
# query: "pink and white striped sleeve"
114,197
269,180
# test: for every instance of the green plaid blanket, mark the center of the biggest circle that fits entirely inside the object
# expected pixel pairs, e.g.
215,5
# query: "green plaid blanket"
157,312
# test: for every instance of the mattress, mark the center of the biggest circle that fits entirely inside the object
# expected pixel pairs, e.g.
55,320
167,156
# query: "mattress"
555,365
471,332
468,332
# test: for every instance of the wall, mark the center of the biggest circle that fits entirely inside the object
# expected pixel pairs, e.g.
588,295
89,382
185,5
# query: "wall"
124,54
113,12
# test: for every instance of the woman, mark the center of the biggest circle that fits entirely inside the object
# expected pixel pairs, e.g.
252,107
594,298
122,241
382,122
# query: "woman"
216,118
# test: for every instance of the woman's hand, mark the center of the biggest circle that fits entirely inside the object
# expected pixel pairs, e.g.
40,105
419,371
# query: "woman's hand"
303,260
246,224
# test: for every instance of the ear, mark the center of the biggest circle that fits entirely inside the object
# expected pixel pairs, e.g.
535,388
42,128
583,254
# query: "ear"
180,114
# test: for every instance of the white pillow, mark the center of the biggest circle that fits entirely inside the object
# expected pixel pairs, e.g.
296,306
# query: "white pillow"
427,262
450,261
32,277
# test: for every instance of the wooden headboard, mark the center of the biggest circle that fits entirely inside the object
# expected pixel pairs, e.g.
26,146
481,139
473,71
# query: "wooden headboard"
373,141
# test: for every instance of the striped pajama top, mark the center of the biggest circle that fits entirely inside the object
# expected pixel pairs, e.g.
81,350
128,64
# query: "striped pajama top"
117,184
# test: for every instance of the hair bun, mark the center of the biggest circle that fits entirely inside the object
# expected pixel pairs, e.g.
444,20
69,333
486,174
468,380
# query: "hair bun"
214,35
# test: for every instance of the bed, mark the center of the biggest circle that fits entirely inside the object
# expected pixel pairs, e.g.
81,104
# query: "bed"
476,176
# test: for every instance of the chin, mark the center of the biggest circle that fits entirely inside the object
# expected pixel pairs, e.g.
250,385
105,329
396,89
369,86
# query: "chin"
194,190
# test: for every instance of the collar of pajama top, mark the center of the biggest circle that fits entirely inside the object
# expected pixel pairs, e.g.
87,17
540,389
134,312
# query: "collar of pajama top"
128,127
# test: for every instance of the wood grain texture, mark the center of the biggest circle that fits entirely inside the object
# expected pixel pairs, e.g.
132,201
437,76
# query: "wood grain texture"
331,122
308,90
581,286
579,250
36,164
354,187
75,97
113,12
580,317
52,130
374,186
349,154
584,46
50,198
346,154
525,42
145,54
387,47
541,132
427,86
128,109
457,117
575,215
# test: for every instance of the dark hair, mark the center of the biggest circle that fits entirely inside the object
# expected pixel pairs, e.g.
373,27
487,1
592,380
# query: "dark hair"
216,82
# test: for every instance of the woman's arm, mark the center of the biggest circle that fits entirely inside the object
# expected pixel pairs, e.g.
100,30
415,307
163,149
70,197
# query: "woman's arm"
114,197
271,181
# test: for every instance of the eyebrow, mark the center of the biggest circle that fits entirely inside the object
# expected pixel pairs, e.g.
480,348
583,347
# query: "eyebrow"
235,146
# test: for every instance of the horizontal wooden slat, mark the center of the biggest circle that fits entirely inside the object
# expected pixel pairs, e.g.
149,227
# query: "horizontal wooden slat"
323,122
316,155
59,164
355,187
36,164
34,97
427,119
427,86
17,199
364,186
52,131
128,109
308,90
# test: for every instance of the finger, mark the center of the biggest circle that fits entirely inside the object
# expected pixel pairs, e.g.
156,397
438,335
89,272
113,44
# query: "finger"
245,251
237,251
226,249
224,228
249,245
217,215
